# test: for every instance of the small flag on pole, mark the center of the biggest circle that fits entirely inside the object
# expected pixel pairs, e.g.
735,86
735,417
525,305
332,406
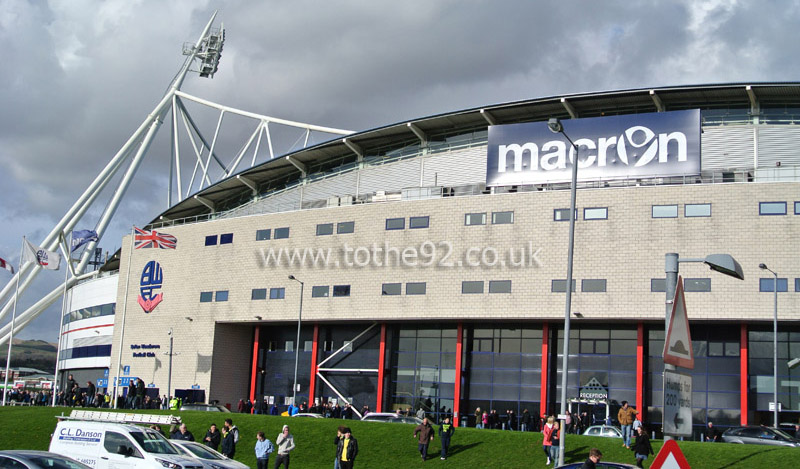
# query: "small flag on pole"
47,259
154,239
81,237
6,265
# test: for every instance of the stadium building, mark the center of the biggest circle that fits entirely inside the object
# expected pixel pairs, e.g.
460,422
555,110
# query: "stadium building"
431,256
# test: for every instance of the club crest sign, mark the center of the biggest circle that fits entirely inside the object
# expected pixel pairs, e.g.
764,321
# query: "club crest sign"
150,283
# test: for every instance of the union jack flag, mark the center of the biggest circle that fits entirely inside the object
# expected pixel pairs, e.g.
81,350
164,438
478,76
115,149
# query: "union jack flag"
153,239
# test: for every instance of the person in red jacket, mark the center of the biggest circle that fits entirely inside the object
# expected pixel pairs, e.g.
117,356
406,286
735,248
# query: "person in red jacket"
550,433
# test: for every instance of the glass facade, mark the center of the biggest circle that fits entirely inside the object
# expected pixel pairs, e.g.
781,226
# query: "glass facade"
761,374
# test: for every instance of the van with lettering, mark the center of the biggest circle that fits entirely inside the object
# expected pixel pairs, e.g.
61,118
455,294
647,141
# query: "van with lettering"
105,445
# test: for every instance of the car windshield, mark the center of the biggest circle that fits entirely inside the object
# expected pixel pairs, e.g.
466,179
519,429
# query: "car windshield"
782,434
152,442
56,462
202,452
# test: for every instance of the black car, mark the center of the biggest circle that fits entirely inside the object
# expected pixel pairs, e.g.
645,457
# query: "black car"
757,435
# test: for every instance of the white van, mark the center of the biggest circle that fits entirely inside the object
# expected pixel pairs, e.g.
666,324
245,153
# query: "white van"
106,445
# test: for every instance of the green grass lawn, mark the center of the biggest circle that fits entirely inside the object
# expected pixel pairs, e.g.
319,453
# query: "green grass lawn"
384,445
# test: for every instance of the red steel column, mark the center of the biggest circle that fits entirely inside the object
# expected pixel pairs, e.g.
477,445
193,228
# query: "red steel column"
312,386
545,370
457,384
381,369
743,373
640,371
254,368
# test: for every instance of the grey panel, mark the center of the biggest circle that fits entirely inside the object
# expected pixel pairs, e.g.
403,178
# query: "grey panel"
281,202
97,340
456,168
727,147
390,176
778,144
335,186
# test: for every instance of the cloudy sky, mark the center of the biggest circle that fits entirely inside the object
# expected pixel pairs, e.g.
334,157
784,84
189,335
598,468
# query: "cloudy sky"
79,76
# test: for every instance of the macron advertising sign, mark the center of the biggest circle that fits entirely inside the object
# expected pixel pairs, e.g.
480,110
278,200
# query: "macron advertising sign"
614,147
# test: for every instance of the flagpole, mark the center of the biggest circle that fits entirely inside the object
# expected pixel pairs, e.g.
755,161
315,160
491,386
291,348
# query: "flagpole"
13,320
68,254
124,310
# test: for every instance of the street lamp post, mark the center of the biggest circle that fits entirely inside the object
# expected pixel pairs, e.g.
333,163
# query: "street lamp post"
774,346
297,345
722,263
169,373
555,126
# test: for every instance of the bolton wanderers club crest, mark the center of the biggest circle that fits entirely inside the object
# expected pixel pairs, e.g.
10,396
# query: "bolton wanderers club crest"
151,281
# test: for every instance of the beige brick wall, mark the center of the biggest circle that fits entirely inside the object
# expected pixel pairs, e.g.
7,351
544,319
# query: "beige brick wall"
627,250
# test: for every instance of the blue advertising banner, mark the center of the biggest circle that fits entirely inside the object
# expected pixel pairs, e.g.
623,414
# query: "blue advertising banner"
614,147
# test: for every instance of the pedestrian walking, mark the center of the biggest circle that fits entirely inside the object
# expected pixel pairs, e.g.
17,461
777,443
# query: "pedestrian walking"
339,436
263,449
641,447
285,442
549,429
446,430
347,449
626,415
424,432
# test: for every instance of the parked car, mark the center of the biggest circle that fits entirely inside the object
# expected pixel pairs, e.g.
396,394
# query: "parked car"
756,435
210,458
603,430
309,415
390,417
205,407
600,465
38,459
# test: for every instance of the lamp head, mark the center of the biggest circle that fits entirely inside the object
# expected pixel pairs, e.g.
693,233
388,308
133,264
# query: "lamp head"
291,277
762,266
554,124
793,363
725,264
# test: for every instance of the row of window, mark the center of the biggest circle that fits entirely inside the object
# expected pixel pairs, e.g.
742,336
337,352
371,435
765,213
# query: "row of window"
225,238
413,223
498,218
91,312
594,285
343,227
776,208
88,351
689,210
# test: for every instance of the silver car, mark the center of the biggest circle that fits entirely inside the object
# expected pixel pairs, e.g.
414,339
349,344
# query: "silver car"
603,430
390,417
756,435
38,459
202,453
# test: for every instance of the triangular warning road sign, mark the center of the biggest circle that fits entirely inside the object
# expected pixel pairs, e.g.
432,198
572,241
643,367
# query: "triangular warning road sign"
678,343
670,457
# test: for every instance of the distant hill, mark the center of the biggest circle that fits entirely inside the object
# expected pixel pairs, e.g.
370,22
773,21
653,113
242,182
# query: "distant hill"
31,354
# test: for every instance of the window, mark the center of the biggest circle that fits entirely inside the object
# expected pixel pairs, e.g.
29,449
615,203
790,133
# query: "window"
325,229
320,291
282,233
658,285
470,286
560,286
258,294
697,210
327,346
797,284
471,219
211,240
395,223
772,208
263,235
499,286
221,295
113,441
418,222
277,293
697,284
596,213
797,208
206,296
308,346
416,288
391,289
345,227
502,218
562,214
593,285
767,284
341,290
226,238
665,211
289,346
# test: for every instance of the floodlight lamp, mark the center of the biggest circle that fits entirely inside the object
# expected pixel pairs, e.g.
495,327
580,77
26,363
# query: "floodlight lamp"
554,124
793,363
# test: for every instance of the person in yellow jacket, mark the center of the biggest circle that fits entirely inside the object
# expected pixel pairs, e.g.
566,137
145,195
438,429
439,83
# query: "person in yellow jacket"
626,416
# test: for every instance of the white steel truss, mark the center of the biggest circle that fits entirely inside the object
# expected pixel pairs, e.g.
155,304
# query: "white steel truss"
209,162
